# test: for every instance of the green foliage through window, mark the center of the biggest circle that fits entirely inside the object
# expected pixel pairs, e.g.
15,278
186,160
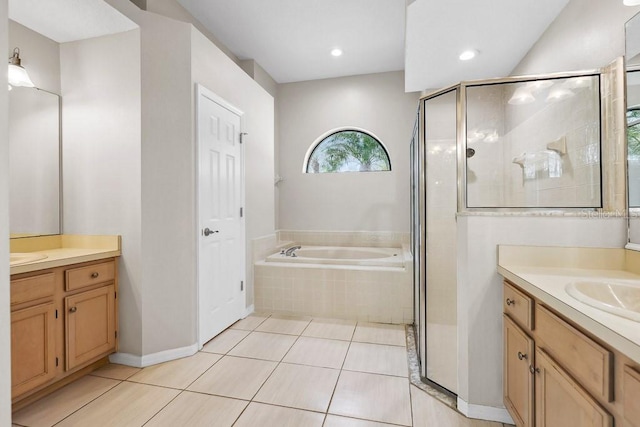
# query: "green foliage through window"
348,151
633,132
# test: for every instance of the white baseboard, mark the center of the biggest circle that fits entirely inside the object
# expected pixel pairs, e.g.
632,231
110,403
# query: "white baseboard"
633,246
154,358
249,310
481,412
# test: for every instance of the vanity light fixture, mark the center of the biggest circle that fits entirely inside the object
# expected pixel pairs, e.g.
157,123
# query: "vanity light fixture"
522,96
631,2
468,54
336,52
18,76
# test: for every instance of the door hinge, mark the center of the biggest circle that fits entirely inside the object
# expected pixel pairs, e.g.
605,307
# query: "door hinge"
56,313
241,212
242,135
56,361
242,285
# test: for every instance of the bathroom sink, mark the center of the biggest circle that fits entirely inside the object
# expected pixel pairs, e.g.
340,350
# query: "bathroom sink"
18,258
621,299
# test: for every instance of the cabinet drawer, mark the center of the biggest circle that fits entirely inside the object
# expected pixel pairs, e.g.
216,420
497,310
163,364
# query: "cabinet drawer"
518,306
631,404
32,288
587,361
81,277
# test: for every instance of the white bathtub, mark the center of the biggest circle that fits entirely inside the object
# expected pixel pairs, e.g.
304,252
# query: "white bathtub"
336,255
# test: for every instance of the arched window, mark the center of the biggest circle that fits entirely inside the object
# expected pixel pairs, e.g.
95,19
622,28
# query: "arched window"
347,150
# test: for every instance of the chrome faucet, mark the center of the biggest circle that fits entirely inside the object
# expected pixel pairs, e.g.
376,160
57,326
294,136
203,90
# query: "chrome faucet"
291,251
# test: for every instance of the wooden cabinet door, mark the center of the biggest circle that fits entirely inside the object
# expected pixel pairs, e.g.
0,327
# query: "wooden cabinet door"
32,347
518,381
560,401
90,325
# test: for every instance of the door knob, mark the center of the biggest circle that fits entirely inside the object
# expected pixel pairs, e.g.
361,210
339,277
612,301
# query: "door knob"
207,232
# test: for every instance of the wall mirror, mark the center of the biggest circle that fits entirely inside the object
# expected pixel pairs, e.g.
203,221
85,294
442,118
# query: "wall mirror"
632,58
34,162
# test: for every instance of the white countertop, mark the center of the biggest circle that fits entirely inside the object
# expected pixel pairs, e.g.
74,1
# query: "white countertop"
64,250
547,283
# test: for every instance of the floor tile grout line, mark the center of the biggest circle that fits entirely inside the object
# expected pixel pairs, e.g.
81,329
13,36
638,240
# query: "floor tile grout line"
335,387
161,409
185,390
279,363
86,404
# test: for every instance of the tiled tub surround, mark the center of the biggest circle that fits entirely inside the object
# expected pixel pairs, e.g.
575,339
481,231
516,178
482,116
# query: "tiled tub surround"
371,239
375,294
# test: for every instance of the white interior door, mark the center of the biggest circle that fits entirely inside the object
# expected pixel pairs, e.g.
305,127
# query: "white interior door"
221,257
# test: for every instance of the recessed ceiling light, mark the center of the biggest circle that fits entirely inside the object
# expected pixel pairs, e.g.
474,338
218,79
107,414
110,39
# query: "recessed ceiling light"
631,2
468,54
336,52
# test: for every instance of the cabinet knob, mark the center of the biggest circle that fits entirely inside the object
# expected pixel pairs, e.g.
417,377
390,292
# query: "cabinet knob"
94,275
521,356
534,370
73,309
510,301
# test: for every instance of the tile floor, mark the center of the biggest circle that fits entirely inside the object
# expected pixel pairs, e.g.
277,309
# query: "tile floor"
263,371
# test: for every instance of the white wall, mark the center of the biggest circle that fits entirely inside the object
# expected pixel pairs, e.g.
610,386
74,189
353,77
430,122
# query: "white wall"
101,156
34,136
172,57
211,69
374,201
587,34
480,287
5,329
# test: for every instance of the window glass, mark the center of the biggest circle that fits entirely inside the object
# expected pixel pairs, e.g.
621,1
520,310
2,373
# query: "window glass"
348,151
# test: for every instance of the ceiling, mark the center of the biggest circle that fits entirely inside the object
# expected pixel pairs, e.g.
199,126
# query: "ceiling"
69,20
502,31
291,39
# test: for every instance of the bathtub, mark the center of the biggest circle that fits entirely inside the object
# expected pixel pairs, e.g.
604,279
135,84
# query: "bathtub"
356,283
336,255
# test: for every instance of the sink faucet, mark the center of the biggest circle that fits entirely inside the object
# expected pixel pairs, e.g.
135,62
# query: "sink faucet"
290,251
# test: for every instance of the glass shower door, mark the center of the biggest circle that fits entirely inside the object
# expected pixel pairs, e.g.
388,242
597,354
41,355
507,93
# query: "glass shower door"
439,360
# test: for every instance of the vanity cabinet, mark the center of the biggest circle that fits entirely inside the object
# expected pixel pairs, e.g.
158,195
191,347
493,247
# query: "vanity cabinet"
518,381
63,322
556,375
33,344
90,325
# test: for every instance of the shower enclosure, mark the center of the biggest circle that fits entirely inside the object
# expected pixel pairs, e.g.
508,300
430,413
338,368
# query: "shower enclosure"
514,144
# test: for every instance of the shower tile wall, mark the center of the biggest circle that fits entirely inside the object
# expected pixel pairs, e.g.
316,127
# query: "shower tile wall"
503,133
533,127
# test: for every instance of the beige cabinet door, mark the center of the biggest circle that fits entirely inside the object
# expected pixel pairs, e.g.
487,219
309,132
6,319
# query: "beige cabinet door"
90,325
518,380
560,401
32,347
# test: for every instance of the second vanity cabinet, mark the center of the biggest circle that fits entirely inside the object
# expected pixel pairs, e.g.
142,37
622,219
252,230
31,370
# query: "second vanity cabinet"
63,320
556,375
